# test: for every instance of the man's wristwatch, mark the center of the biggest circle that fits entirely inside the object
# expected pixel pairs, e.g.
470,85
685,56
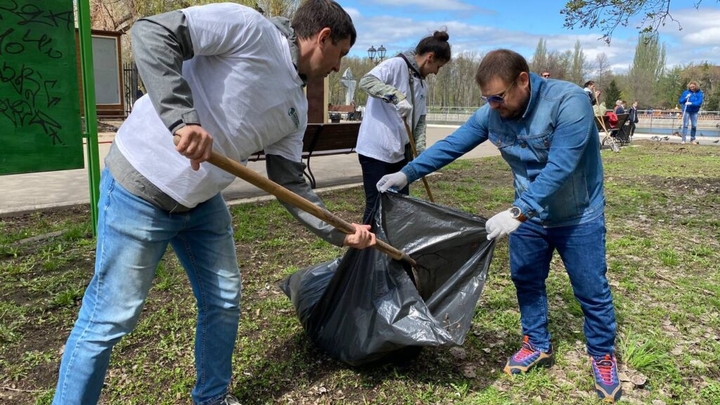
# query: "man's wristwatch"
517,214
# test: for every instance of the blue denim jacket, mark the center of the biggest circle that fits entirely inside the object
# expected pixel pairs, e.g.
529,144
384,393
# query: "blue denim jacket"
553,151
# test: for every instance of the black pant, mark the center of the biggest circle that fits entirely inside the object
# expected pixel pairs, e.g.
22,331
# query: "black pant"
373,170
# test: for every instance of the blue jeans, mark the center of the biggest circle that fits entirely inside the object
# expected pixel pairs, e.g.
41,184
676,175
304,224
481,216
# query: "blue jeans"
582,250
373,170
692,117
132,238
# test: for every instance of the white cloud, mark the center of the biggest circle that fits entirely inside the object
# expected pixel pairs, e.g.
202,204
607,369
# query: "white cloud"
709,36
693,36
699,27
698,41
690,20
399,34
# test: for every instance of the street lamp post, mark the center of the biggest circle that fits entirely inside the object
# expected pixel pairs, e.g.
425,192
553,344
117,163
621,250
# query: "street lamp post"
376,55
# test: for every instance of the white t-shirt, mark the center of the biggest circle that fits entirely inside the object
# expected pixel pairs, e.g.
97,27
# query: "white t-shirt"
248,96
382,133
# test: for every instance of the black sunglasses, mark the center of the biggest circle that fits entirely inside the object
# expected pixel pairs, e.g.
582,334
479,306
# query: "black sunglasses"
498,98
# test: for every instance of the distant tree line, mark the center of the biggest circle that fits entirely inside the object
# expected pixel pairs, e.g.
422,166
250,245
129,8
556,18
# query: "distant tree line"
647,80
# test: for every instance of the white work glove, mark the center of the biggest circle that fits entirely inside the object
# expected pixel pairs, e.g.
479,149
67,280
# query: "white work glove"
501,224
404,108
688,102
396,180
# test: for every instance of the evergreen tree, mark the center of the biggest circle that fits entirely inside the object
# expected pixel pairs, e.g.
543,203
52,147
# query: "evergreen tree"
611,94
670,86
647,69
540,58
577,69
712,100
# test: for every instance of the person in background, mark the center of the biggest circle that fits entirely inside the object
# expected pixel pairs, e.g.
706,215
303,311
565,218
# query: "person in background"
397,91
691,101
591,92
219,77
545,74
559,203
619,107
633,118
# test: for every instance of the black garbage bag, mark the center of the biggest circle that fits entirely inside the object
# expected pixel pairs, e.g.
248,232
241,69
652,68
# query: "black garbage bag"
364,307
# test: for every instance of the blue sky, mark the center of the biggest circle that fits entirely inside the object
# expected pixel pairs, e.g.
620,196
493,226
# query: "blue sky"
480,26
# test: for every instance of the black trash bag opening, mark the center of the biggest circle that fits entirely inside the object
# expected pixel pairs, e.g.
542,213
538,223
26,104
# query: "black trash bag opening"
364,306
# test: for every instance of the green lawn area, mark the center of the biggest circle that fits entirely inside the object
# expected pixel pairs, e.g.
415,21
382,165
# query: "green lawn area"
664,268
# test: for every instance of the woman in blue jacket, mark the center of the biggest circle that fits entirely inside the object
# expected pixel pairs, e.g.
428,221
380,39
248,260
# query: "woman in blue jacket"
691,100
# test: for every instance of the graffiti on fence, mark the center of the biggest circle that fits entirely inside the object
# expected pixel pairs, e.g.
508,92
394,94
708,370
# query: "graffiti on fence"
39,102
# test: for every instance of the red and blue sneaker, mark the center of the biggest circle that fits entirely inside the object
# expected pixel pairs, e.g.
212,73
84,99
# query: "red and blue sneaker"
607,383
527,358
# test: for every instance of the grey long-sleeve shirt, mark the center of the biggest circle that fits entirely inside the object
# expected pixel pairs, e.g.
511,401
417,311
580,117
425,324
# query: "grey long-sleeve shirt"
161,44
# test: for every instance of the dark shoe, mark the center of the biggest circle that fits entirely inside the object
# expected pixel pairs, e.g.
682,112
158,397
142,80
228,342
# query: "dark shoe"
607,383
230,400
527,358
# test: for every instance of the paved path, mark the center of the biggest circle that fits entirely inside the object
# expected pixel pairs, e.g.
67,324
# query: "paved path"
32,191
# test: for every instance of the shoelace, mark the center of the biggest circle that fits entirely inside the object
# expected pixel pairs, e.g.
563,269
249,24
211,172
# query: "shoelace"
526,350
605,369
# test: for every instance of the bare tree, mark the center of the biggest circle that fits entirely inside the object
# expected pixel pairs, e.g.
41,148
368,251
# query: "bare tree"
602,74
609,14
558,64
602,64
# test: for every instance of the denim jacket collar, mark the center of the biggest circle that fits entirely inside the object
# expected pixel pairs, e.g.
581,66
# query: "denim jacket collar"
536,83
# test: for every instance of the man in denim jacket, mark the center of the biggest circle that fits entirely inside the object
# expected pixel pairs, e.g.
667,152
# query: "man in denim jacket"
545,130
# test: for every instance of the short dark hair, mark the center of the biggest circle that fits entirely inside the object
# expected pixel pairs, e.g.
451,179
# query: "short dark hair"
588,83
436,43
502,63
314,15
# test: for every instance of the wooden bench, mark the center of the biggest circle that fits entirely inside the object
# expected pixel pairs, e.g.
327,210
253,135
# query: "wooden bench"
323,140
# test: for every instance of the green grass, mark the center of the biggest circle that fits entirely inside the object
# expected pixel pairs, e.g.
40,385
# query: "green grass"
663,266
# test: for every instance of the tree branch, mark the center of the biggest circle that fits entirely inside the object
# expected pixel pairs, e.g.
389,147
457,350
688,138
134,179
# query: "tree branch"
608,15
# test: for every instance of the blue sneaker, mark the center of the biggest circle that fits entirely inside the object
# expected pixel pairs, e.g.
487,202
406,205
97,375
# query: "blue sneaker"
607,383
528,357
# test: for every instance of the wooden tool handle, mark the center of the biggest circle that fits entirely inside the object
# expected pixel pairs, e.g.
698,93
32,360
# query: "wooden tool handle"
283,194
415,154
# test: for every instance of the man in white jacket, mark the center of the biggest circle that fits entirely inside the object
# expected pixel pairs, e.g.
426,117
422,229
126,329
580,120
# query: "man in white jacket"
219,77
